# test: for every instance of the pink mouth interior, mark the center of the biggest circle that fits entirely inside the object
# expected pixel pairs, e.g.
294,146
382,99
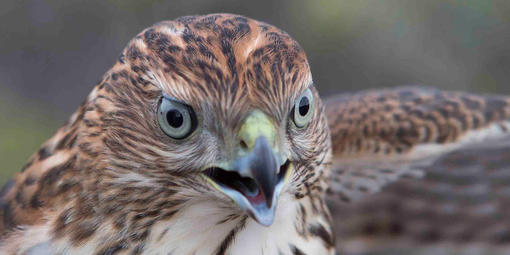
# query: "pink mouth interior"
257,199
244,185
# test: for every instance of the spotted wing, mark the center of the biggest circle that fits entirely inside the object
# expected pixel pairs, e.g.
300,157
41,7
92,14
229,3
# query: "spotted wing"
380,136
460,207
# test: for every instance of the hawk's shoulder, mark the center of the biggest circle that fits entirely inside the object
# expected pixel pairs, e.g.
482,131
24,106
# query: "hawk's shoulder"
458,142
380,135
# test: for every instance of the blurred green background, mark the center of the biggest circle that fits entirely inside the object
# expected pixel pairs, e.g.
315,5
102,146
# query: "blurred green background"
53,52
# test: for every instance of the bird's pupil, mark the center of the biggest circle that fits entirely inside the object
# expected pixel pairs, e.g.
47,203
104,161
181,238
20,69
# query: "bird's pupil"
174,118
304,106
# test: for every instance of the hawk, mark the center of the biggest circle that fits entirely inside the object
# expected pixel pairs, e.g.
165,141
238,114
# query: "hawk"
208,136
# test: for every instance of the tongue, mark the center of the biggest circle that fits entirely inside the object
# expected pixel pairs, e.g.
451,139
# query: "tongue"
246,186
257,199
249,189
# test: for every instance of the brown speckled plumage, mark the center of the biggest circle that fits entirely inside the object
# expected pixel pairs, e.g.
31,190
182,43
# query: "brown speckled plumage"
393,121
459,207
111,181
461,204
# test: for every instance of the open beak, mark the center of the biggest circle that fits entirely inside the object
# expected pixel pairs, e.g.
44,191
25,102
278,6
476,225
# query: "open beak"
254,179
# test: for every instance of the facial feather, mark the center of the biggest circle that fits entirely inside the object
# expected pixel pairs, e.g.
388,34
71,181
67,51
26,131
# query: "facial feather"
123,182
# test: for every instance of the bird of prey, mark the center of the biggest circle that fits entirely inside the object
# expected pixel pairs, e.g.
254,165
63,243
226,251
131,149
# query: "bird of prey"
208,136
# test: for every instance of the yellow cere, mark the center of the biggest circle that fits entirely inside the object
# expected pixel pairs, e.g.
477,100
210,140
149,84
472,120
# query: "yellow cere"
257,124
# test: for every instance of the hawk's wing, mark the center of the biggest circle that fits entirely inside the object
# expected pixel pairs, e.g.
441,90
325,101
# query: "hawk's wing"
460,142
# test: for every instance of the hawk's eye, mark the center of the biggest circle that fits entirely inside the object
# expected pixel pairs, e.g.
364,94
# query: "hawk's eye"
303,109
176,119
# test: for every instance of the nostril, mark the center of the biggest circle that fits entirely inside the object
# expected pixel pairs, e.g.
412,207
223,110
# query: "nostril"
243,144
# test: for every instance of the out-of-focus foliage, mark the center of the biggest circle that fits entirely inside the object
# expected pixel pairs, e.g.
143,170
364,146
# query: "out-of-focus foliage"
23,127
52,52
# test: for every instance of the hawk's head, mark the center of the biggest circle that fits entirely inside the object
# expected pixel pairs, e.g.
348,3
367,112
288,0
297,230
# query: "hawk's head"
217,107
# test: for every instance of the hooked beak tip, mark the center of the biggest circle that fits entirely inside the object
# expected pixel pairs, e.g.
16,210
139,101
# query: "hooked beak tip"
254,182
